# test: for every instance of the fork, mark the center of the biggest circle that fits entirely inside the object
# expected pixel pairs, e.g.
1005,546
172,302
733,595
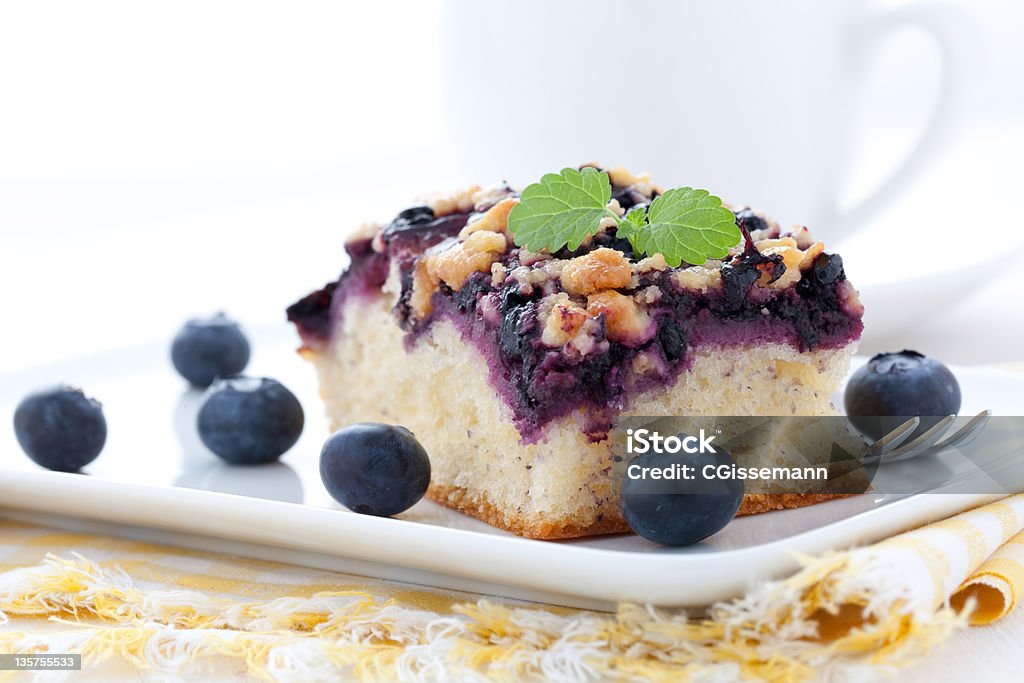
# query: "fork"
894,447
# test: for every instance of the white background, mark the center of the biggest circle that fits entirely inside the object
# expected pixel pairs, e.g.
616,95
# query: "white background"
159,161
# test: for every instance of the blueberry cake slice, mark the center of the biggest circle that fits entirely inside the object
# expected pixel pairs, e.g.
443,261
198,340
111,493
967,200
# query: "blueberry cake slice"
510,366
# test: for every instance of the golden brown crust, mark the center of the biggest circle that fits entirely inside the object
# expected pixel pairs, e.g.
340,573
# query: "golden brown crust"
756,503
478,506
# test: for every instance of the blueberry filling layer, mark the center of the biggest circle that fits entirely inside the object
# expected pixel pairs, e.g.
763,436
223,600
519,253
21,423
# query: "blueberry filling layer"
316,314
409,235
503,319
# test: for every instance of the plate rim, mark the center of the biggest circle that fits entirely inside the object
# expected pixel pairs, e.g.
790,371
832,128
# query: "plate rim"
577,571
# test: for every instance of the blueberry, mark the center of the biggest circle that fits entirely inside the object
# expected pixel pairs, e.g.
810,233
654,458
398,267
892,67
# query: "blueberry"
409,219
60,428
623,246
628,197
249,420
375,469
416,215
679,511
209,348
827,268
518,315
892,387
751,221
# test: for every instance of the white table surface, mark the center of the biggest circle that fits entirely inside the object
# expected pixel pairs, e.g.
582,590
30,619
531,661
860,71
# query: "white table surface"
986,653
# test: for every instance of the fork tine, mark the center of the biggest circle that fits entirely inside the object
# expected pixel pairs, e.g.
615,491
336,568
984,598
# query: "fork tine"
965,434
893,439
926,440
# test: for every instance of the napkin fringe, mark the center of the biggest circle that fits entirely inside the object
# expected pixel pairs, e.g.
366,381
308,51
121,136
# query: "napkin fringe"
821,622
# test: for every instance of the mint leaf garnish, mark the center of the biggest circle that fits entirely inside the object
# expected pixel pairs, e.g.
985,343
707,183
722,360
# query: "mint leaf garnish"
562,209
689,225
632,225
566,208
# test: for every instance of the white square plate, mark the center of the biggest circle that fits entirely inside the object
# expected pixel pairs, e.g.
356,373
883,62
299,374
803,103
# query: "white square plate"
155,480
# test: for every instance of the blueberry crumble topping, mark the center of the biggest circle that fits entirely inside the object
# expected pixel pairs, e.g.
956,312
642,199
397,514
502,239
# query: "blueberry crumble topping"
593,327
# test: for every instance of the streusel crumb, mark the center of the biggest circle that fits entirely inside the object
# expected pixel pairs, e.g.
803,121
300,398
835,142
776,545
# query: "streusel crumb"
494,220
598,270
625,320
460,200
811,252
656,262
476,254
791,257
423,288
623,178
698,278
563,320
498,274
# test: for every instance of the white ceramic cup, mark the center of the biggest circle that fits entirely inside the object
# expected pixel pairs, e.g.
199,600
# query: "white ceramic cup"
751,99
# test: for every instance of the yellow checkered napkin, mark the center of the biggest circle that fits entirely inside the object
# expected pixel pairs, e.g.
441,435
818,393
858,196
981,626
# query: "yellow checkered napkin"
996,585
173,611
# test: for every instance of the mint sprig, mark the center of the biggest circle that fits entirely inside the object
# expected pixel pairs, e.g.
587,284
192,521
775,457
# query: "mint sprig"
631,226
683,224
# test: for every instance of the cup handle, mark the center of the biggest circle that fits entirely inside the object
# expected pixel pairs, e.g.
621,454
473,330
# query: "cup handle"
959,50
